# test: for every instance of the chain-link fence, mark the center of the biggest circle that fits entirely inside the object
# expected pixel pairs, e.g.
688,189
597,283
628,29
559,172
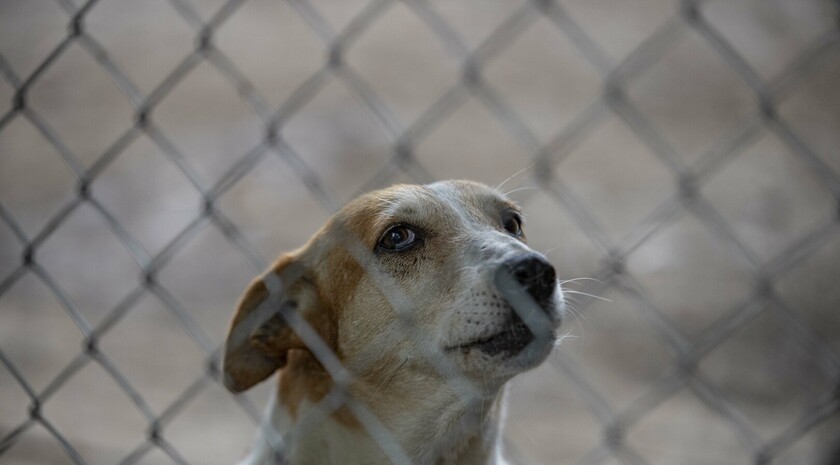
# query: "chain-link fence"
683,155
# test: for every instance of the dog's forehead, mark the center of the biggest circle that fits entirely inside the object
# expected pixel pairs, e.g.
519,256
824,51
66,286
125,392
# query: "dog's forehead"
469,197
444,202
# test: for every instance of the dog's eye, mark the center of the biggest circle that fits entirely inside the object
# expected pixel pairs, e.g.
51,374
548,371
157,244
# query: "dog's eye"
397,238
513,224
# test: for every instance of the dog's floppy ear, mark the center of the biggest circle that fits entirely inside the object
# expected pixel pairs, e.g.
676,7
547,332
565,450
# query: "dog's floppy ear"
260,338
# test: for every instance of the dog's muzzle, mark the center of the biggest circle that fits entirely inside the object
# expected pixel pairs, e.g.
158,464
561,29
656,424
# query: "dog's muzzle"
528,284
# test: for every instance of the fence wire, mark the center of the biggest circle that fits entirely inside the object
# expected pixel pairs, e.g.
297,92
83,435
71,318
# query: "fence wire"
615,77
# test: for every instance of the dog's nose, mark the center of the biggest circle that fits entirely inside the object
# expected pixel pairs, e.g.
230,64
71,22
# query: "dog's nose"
534,274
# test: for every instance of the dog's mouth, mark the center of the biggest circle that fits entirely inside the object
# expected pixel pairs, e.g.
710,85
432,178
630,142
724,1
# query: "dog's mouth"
511,340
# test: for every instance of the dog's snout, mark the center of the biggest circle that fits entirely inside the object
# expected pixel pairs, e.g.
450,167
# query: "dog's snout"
534,274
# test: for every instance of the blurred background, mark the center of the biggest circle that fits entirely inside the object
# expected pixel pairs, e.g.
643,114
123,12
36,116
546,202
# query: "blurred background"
156,155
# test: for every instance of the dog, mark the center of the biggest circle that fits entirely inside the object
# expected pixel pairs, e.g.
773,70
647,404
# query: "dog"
395,329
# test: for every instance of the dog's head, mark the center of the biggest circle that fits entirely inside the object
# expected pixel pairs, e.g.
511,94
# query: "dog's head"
426,279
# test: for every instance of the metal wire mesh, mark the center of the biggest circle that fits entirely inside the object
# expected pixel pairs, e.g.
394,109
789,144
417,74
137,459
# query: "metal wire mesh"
686,195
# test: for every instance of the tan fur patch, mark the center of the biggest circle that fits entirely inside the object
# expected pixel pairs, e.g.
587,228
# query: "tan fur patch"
304,378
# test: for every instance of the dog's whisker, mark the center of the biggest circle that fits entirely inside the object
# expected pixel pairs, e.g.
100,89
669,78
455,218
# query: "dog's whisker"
572,309
573,280
579,318
604,299
390,377
501,184
563,337
576,312
523,188
549,251
466,268
528,435
469,267
386,201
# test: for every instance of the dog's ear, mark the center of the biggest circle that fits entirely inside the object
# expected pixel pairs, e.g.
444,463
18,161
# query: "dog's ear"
260,338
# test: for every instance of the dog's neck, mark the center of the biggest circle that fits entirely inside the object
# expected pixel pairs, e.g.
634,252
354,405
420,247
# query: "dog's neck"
431,424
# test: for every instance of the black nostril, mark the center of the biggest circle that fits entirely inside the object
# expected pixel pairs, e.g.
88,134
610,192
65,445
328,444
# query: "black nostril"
535,274
549,276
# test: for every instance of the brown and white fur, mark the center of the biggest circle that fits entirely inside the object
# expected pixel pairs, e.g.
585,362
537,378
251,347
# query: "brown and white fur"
403,285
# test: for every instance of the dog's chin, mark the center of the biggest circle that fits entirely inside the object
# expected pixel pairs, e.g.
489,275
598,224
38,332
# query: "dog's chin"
501,358
509,342
508,352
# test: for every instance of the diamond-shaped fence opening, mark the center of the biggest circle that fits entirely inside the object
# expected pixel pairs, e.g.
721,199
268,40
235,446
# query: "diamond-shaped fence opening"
679,157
